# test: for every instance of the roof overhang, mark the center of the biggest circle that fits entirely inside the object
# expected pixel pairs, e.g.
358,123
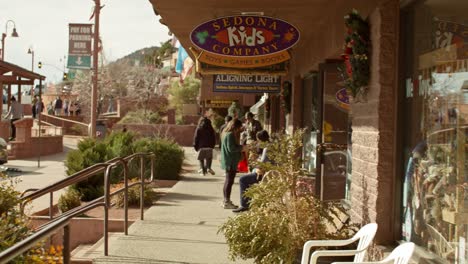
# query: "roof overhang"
313,18
14,74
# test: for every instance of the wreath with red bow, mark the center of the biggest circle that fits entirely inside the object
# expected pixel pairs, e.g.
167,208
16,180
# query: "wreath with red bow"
356,54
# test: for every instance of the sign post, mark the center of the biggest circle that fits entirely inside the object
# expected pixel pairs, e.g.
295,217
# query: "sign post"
79,46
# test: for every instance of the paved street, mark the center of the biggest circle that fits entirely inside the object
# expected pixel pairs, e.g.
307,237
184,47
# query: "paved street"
52,169
181,228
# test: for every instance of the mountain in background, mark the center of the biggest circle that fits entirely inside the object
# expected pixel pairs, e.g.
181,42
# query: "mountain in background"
138,55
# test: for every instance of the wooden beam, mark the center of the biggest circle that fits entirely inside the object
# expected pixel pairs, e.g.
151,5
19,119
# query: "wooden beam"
8,78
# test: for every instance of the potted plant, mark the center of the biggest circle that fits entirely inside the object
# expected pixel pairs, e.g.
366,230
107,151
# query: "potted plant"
283,214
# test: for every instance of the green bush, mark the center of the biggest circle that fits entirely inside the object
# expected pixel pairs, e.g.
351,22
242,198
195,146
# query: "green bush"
9,197
139,117
134,196
168,160
297,214
89,152
69,200
13,223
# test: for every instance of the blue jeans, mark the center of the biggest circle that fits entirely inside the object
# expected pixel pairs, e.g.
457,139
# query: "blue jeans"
245,182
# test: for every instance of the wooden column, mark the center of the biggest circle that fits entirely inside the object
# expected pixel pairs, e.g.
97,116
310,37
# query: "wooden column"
9,96
1,101
19,91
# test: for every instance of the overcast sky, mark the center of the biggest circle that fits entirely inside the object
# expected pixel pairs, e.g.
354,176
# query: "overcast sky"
126,25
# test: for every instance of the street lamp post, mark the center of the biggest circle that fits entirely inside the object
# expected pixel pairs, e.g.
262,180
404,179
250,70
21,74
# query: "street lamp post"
4,35
31,51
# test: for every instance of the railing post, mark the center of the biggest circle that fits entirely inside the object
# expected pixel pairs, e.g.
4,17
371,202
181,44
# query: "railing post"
106,210
142,187
125,197
66,244
152,167
51,205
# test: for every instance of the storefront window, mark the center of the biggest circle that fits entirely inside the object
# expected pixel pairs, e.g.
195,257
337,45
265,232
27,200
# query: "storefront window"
435,128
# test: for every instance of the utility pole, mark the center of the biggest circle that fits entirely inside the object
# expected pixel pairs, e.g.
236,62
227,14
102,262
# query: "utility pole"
92,127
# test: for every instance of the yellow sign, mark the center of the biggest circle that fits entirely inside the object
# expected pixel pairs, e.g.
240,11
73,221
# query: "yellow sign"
243,62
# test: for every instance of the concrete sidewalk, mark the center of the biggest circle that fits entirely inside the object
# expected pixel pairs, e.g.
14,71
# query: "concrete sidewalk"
182,226
51,170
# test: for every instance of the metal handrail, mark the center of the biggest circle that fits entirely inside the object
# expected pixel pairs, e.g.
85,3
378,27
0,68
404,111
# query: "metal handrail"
66,120
63,220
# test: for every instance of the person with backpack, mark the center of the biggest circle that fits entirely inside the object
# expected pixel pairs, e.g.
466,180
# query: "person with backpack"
204,141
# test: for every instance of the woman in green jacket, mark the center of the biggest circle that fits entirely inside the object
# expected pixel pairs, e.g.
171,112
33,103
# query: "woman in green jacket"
230,156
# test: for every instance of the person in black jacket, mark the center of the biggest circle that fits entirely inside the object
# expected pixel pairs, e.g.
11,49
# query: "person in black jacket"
204,142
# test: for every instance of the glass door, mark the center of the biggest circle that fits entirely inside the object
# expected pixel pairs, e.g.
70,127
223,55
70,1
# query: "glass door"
333,158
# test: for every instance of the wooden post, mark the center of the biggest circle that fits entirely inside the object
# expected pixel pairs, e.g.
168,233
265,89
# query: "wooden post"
97,10
19,91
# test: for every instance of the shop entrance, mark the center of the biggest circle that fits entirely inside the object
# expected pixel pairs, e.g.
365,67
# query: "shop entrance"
333,157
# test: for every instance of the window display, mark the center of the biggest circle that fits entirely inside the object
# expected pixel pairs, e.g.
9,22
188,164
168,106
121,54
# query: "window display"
435,129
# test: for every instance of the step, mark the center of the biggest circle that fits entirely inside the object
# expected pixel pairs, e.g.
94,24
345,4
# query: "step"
84,254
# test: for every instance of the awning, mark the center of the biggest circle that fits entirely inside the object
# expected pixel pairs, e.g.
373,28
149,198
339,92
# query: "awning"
14,74
254,108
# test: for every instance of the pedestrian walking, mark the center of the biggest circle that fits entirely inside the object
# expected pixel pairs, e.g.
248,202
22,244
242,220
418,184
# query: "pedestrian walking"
14,113
33,106
72,108
39,105
230,156
66,106
204,141
58,104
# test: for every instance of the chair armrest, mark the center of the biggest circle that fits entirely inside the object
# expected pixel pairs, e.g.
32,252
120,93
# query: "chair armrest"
323,243
332,253
378,262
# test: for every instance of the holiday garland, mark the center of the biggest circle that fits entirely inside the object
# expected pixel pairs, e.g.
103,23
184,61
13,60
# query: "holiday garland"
286,97
356,54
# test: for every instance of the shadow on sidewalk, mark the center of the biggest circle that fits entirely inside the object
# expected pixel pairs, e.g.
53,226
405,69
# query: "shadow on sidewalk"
180,197
200,179
126,259
168,240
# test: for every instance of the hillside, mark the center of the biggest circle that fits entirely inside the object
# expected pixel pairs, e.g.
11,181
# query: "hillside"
137,55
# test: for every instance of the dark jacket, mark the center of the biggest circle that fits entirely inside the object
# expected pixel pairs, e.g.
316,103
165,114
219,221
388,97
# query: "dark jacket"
204,138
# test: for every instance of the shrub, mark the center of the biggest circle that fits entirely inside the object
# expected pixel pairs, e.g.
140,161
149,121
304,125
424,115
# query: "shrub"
169,157
89,152
14,227
139,117
69,200
297,215
79,129
134,196
168,163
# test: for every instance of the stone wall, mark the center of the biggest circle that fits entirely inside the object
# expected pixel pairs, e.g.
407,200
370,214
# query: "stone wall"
374,127
82,230
182,134
47,145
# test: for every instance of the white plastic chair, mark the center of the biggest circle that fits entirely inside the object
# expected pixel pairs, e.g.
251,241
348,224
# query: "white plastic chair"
365,236
400,255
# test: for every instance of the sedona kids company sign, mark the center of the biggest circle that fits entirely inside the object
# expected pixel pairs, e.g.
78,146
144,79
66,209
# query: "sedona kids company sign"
250,41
